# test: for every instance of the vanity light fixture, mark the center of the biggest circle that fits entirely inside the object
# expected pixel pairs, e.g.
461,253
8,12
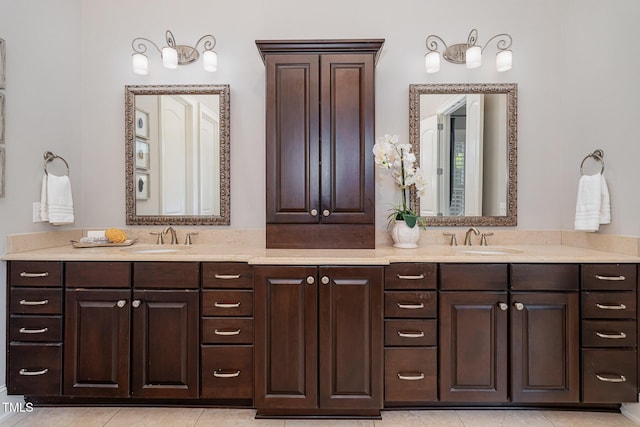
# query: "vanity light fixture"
175,54
467,53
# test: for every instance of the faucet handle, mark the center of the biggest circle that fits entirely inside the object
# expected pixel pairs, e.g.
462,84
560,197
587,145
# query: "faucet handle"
483,238
187,239
453,241
159,238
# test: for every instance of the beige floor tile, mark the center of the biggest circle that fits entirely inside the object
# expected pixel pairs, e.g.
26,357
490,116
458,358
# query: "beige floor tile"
329,423
503,417
152,417
65,417
587,419
435,418
234,418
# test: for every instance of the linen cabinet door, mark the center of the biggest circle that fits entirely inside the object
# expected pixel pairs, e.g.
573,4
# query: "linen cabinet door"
286,338
96,359
473,346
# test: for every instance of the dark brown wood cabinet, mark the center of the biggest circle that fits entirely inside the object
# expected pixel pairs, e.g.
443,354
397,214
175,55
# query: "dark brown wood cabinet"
319,134
318,340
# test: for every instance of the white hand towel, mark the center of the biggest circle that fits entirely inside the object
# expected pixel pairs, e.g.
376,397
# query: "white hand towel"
592,205
56,200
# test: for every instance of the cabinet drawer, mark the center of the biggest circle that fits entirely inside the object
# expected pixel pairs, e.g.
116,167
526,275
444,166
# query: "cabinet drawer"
227,330
35,273
227,372
227,303
166,275
36,301
410,304
410,276
88,274
410,375
609,277
238,275
469,277
545,277
410,332
609,333
609,376
35,328
609,305
35,369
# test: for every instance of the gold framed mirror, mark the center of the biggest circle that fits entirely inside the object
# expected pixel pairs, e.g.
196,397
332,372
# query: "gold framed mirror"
465,139
177,155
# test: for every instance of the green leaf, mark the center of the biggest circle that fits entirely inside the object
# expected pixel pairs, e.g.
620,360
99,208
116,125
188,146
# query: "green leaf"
410,220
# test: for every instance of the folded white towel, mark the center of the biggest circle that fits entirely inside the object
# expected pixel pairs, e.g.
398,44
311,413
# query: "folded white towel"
56,200
593,205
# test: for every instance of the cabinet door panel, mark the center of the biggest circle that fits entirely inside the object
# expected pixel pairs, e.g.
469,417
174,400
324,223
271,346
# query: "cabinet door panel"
286,324
96,346
473,347
165,344
351,338
545,347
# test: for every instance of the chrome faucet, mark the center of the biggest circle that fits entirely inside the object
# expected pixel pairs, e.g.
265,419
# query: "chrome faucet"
467,236
174,237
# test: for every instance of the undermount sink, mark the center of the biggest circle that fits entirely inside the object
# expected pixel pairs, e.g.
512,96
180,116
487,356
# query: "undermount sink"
491,251
155,250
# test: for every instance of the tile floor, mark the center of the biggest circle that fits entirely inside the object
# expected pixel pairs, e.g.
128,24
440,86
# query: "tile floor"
187,417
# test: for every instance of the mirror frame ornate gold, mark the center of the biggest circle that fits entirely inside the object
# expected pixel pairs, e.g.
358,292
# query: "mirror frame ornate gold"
511,90
225,206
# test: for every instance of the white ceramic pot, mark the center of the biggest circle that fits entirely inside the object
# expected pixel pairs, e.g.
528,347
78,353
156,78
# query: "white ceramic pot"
403,236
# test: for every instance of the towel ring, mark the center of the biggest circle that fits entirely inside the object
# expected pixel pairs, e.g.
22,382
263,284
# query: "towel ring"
596,155
49,157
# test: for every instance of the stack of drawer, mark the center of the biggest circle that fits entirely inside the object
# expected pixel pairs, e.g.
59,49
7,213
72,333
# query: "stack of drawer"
410,334
609,333
35,328
227,331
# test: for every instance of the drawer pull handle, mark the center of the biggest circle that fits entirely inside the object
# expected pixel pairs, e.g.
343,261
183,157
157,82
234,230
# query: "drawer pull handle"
411,334
410,306
27,373
32,275
611,335
227,276
220,373
226,332
610,278
611,307
226,304
612,379
411,377
33,331
418,277
25,302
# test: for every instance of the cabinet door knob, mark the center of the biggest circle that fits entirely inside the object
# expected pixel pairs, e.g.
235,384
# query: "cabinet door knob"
314,212
325,280
519,306
136,303
326,212
503,306
121,303
311,280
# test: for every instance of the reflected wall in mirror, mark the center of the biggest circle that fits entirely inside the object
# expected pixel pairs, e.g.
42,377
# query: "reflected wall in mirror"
177,155
465,139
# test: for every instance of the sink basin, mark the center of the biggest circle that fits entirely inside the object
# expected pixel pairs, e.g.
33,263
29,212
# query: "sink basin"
491,251
155,250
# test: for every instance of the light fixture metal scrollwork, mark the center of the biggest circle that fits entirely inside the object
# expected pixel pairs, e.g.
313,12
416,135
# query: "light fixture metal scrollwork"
175,54
468,53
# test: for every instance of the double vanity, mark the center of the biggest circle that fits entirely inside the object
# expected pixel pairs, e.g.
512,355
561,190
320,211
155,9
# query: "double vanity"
340,333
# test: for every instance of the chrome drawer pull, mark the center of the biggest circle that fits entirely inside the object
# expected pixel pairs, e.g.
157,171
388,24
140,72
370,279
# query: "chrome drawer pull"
418,277
614,336
611,307
227,332
612,379
610,278
410,306
33,331
25,302
32,373
416,377
226,304
31,275
411,334
219,373
227,276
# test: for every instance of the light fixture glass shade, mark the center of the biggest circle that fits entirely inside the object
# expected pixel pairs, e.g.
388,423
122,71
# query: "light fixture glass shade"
169,57
474,57
140,64
432,62
503,60
210,61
